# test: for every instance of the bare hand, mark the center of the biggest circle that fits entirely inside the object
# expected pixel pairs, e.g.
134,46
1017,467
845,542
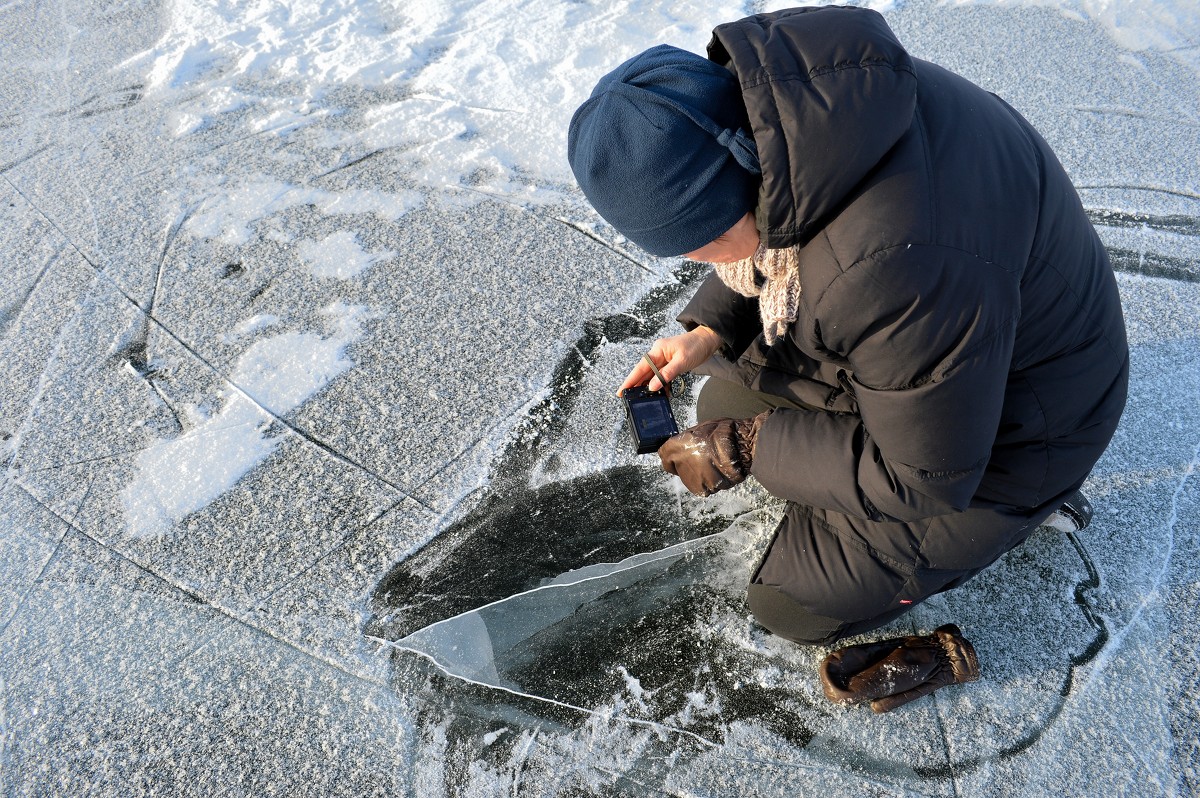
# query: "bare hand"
674,356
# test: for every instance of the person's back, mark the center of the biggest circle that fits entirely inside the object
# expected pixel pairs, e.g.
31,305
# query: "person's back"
964,233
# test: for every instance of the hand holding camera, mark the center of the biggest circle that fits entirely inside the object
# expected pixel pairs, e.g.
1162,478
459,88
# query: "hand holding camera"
673,356
646,390
708,457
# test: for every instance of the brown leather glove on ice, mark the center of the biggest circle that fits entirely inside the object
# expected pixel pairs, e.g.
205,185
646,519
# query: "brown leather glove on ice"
890,673
714,455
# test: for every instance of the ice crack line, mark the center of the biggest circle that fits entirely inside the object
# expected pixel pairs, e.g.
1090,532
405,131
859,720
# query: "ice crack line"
325,447
1152,594
649,558
670,552
191,594
10,315
637,561
1134,114
39,392
28,156
1156,189
662,727
67,527
578,228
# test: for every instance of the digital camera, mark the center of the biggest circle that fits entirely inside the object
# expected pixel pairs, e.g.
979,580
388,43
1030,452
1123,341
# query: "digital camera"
650,418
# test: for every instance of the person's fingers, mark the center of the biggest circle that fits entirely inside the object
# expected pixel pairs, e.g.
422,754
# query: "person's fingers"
641,374
676,360
637,376
673,356
661,353
671,369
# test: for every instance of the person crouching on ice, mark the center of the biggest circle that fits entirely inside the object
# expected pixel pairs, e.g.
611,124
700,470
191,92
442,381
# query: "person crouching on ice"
912,332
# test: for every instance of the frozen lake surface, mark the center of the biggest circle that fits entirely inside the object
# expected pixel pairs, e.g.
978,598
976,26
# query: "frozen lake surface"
313,477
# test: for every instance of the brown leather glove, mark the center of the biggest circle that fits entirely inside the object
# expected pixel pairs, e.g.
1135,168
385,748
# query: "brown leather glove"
714,455
890,673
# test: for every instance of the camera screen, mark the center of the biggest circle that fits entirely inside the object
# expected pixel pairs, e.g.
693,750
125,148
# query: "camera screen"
653,418
650,419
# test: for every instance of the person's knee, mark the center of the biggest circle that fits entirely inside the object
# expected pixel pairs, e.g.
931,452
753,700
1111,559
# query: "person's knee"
720,398
813,586
781,615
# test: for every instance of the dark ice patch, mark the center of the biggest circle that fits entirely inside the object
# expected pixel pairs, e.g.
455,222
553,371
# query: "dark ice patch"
519,537
1147,261
674,649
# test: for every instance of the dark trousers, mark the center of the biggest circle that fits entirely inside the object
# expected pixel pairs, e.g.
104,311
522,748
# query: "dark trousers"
826,575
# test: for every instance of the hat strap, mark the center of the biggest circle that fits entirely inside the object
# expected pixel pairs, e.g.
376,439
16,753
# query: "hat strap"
744,150
740,145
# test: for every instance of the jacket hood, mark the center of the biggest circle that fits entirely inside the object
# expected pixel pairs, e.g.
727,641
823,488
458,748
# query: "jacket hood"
828,91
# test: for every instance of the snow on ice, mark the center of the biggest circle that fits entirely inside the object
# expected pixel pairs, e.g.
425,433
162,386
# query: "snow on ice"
313,476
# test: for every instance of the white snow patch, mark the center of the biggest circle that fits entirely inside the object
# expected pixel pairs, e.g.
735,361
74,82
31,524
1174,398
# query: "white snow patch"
489,88
274,376
339,256
1170,27
181,123
227,215
699,704
256,323
767,677
485,91
492,737
633,686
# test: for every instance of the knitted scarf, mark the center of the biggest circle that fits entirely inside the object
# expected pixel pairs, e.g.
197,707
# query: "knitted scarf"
772,275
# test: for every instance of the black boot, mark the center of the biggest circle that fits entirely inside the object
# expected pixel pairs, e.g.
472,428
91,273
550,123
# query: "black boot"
1074,514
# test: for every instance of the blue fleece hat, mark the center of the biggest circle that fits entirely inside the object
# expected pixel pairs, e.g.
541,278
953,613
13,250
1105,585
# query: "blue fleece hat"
659,151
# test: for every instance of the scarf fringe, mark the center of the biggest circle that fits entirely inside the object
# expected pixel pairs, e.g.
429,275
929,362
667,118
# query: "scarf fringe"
772,275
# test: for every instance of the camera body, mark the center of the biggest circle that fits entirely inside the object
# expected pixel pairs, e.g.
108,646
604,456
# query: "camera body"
650,418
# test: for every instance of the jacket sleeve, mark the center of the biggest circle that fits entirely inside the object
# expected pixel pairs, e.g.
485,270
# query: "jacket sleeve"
732,316
928,337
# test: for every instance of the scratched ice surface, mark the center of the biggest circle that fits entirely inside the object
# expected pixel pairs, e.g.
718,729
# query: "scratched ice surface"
313,477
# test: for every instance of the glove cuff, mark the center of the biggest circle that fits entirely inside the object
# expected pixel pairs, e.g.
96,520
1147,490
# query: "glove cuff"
745,434
959,653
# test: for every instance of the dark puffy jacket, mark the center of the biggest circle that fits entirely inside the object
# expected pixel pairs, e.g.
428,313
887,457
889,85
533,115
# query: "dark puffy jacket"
959,314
